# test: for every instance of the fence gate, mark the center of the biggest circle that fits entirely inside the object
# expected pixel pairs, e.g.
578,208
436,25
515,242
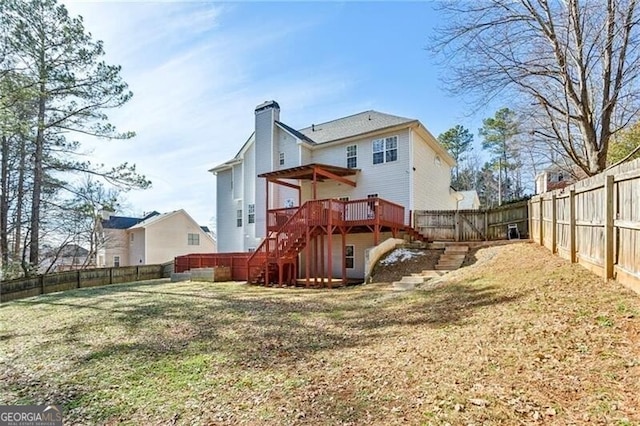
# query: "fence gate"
473,225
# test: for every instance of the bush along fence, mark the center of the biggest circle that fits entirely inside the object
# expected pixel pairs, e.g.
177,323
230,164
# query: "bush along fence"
472,225
62,281
595,222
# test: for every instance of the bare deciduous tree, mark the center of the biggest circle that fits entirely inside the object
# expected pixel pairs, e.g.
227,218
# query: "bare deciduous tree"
573,65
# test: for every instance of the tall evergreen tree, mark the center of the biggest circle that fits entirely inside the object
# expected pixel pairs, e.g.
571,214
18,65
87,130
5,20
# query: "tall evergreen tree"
458,141
72,89
497,133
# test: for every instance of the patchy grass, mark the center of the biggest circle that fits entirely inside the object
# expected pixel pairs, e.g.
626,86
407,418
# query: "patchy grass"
519,337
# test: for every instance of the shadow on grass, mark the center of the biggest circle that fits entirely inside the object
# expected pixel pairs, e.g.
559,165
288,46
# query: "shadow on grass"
243,328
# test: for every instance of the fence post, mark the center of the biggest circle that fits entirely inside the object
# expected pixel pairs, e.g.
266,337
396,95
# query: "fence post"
554,225
572,225
41,278
486,225
456,226
608,227
541,220
78,279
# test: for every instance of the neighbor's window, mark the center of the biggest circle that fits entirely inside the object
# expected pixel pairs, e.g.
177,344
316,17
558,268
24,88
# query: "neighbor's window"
239,217
352,156
116,261
282,158
193,239
251,213
349,256
385,150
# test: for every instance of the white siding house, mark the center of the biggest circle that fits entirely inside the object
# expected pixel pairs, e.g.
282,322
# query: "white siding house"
393,158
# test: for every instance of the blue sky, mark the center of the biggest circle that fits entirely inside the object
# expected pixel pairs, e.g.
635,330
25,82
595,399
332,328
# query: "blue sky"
198,69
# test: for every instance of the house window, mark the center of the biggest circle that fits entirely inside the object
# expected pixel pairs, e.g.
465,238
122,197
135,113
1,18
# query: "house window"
282,159
193,239
116,261
385,150
349,256
251,216
251,249
352,156
239,218
343,198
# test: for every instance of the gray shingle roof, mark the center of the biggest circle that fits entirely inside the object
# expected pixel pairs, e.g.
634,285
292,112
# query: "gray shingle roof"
352,125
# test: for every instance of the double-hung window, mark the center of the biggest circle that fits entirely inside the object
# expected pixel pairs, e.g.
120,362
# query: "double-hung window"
385,150
251,213
193,239
352,156
239,218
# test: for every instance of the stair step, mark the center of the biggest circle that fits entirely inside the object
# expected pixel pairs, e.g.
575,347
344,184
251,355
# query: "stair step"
456,249
457,257
431,273
446,268
412,279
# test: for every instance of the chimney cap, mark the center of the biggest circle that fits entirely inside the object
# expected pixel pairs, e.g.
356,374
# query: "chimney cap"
267,105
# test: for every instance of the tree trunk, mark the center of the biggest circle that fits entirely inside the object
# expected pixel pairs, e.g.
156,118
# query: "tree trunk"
4,202
37,179
20,200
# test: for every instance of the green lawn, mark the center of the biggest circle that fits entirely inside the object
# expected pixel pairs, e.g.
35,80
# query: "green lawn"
519,337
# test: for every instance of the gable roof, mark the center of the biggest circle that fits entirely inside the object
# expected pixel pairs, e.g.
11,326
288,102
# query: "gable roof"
124,222
295,133
353,125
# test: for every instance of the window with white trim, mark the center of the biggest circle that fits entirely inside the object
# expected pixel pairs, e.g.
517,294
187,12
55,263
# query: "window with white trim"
349,256
281,158
385,150
193,239
116,261
251,213
352,156
239,218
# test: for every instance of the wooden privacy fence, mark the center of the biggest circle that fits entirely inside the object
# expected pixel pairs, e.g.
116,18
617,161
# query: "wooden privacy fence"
237,262
595,222
472,225
61,281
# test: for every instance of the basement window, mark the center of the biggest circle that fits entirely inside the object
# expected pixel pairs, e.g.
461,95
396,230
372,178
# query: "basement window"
349,256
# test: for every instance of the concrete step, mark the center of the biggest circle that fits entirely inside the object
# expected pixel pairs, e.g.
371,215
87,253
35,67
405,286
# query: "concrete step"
453,256
412,279
450,262
399,285
456,249
431,273
446,268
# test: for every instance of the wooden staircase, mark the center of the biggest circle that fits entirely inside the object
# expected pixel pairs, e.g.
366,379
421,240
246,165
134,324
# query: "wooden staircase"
275,260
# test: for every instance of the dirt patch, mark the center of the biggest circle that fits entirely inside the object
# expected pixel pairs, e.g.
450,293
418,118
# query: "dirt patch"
423,260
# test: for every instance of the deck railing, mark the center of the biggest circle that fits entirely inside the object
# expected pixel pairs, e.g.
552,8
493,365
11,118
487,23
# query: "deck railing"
369,211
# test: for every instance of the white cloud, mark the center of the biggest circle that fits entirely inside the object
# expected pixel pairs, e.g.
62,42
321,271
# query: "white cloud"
196,83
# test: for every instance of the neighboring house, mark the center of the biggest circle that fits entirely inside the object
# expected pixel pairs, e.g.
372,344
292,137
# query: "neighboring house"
372,165
67,258
468,200
152,239
555,177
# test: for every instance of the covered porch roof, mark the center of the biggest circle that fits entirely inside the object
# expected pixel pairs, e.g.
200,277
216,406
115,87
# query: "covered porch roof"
315,172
